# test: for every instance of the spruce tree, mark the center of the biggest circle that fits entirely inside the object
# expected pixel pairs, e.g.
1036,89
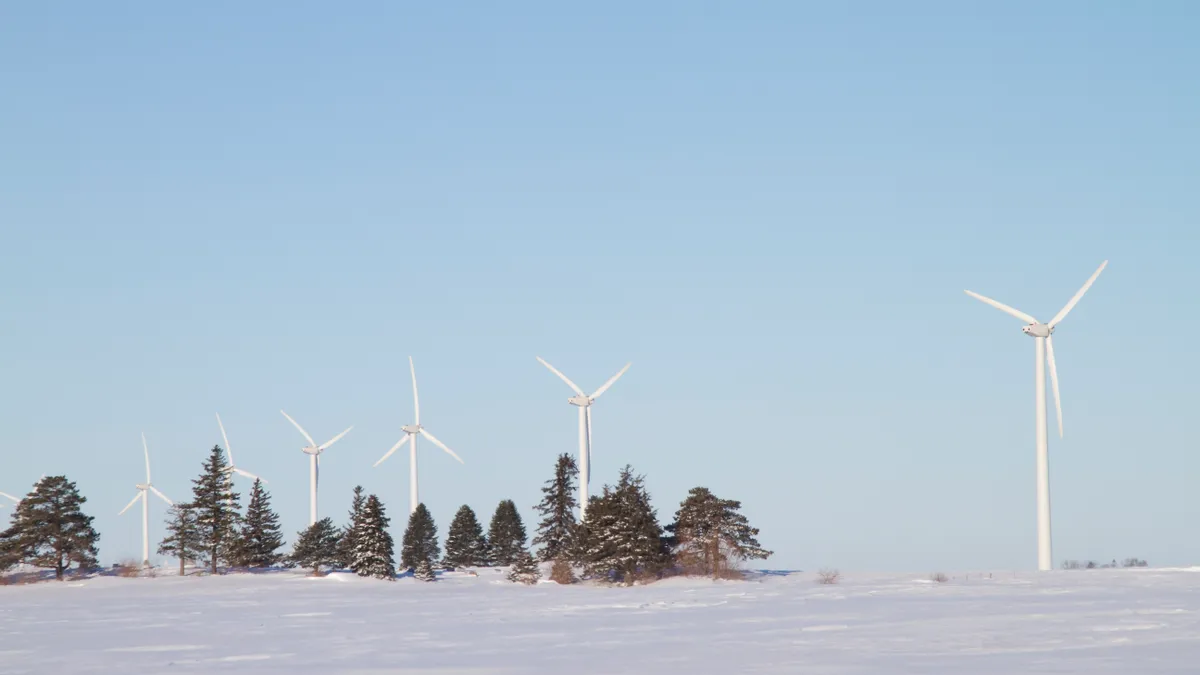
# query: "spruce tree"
465,544
420,539
556,532
348,532
620,538
261,537
424,571
374,552
506,534
524,569
50,529
316,546
709,534
216,507
183,536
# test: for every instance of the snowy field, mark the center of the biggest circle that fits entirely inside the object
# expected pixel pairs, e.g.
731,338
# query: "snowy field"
1095,621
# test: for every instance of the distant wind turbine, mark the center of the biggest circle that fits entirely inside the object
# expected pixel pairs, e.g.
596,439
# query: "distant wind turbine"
411,432
314,452
143,494
232,468
1043,352
584,403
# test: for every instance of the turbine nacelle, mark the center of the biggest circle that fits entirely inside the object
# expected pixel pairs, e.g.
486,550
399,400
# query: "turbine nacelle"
142,486
1038,330
411,428
581,400
310,450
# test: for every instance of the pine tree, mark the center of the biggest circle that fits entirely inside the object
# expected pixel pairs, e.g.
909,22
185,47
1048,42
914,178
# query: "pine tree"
524,569
420,539
556,532
620,538
316,546
216,507
709,534
183,536
424,571
465,544
348,532
50,529
374,551
261,537
506,534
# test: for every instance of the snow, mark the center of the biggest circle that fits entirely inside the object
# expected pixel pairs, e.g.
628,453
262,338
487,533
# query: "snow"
1093,621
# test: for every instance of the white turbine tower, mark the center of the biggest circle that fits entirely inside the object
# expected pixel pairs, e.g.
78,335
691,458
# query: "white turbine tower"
584,403
314,452
232,468
1043,353
143,494
411,432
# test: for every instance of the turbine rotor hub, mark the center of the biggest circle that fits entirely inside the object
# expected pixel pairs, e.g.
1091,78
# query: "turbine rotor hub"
1037,330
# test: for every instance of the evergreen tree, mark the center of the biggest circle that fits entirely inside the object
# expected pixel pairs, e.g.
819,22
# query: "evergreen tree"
348,532
50,529
709,534
506,534
216,507
465,544
424,571
556,532
374,552
261,537
620,538
420,539
316,546
524,569
183,536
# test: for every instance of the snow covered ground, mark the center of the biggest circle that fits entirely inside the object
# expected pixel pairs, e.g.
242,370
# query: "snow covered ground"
1095,621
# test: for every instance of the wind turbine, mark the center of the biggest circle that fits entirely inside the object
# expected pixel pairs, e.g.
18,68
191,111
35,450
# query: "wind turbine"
584,403
314,452
232,468
411,432
143,494
1043,352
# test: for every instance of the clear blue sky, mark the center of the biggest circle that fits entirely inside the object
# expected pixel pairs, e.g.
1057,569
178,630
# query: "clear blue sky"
771,209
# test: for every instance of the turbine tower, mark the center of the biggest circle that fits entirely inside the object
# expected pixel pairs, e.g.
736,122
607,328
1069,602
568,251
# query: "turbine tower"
1042,334
232,468
314,453
143,494
584,403
411,432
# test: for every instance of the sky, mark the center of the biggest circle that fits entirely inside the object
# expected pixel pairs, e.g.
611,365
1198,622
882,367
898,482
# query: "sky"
771,209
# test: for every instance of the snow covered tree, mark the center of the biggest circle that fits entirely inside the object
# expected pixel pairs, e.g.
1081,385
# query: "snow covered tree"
348,532
316,546
420,539
374,551
506,534
465,544
556,532
524,569
620,538
50,529
216,507
261,537
424,571
183,536
709,534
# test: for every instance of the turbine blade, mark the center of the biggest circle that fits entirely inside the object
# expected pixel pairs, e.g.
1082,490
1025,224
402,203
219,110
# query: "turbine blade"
416,401
247,474
441,445
1078,296
1054,382
5,494
612,379
146,449
564,378
161,496
133,501
228,450
1003,307
297,425
335,439
389,453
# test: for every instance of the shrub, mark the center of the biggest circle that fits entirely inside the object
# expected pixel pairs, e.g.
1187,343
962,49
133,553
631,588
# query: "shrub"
828,576
938,577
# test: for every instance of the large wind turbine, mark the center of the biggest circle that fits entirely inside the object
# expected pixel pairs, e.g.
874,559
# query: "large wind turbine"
143,494
232,468
314,452
410,436
584,403
1043,352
